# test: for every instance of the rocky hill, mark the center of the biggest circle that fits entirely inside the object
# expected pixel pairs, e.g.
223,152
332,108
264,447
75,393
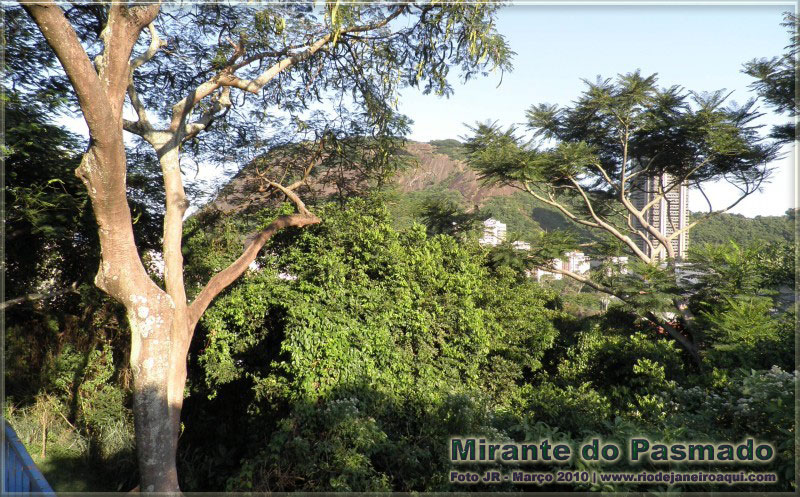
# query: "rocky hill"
438,169
432,166
436,173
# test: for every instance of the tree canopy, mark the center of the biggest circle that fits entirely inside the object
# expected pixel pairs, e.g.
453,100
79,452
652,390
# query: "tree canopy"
247,76
590,159
585,159
777,80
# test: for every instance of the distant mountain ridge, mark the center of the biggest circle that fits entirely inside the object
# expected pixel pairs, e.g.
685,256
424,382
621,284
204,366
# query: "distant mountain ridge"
440,174
436,166
439,169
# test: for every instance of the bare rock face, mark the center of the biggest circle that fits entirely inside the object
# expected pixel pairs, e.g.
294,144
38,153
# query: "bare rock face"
436,169
243,192
246,190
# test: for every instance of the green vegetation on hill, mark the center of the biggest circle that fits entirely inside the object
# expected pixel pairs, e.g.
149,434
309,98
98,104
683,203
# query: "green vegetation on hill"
450,147
526,216
378,333
743,230
414,207
444,202
351,371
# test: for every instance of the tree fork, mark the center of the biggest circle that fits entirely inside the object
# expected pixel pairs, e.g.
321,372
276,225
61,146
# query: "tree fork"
151,313
162,321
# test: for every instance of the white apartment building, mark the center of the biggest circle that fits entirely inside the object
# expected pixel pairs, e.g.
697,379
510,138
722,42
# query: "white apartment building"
556,264
577,262
613,264
494,233
573,261
518,245
667,215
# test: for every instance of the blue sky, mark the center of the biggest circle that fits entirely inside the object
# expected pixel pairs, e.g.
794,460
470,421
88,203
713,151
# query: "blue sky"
701,48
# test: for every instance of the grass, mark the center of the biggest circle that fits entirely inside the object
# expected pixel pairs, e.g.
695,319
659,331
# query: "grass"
67,471
74,462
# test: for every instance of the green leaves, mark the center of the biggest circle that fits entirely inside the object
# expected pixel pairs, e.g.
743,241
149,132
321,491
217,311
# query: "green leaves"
544,120
353,375
745,321
731,270
348,85
627,122
498,155
776,79
398,310
352,334
589,158
740,304
567,160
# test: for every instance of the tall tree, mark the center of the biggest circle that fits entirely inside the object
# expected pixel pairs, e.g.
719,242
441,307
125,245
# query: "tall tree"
586,161
777,80
230,72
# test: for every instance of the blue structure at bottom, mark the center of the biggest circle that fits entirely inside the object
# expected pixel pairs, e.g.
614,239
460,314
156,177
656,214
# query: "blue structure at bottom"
20,474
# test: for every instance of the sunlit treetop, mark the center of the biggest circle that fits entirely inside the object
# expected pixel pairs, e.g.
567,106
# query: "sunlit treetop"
270,73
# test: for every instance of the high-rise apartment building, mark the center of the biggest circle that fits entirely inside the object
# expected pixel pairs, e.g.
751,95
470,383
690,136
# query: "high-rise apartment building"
494,233
667,215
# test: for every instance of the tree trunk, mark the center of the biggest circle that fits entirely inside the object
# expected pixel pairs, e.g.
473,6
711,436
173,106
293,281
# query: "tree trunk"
161,322
156,432
685,342
155,318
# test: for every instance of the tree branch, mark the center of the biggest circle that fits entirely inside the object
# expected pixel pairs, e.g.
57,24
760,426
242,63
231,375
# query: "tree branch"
642,170
119,35
708,202
156,44
649,228
608,227
224,278
255,85
606,177
649,315
263,55
143,15
572,217
81,73
32,297
221,104
640,233
181,110
709,215
136,127
301,207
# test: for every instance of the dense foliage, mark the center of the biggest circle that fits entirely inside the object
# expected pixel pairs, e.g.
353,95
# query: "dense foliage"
742,230
354,351
776,80
351,353
357,312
